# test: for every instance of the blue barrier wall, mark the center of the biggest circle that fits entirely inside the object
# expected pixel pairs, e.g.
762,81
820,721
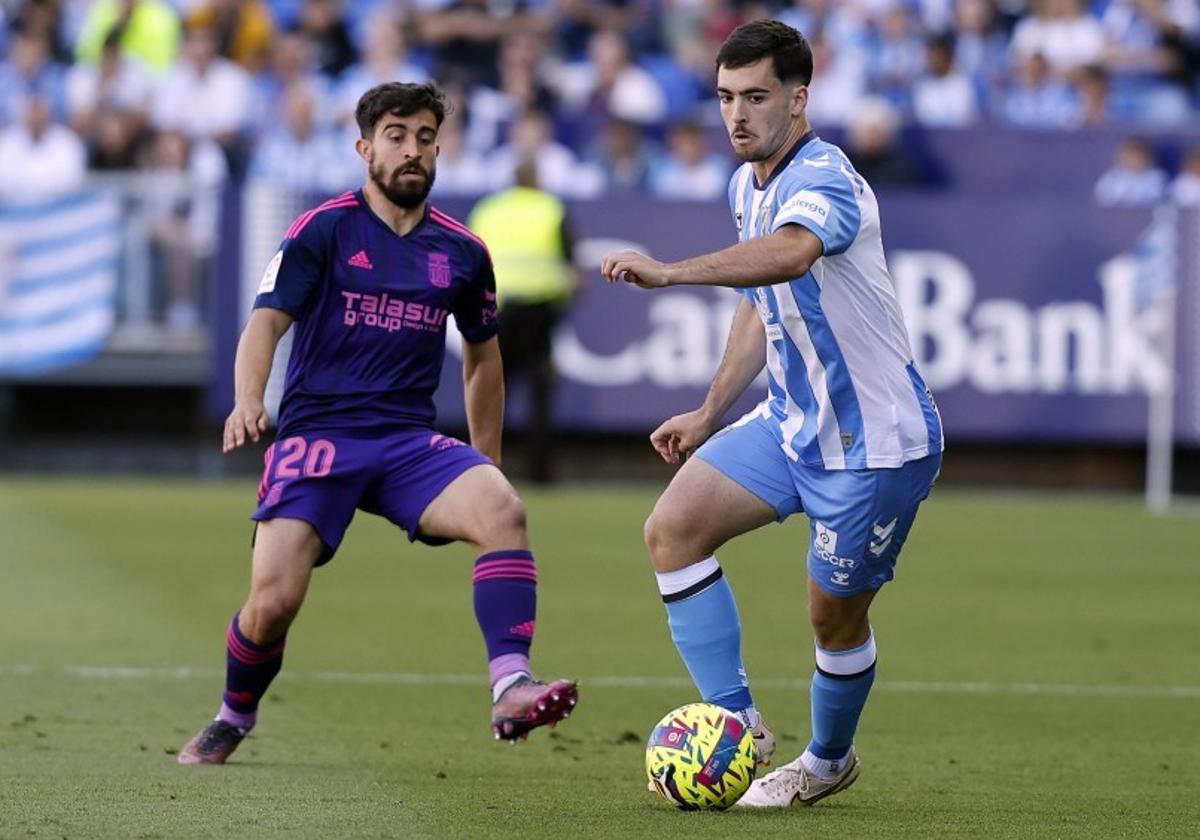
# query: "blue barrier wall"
1031,320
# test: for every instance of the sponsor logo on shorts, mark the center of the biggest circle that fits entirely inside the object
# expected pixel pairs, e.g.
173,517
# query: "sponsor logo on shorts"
824,538
882,537
825,541
389,313
441,442
274,493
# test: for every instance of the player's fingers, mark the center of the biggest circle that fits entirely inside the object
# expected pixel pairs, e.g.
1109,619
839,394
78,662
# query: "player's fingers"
227,438
659,440
606,267
251,425
239,432
614,268
263,421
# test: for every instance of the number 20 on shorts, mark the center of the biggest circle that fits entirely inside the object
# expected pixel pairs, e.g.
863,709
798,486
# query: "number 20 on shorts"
317,458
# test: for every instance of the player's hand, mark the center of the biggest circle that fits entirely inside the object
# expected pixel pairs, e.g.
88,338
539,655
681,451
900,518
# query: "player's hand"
679,437
634,268
248,420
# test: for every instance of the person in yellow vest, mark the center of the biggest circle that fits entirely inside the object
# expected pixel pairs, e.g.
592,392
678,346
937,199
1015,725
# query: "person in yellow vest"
527,231
149,31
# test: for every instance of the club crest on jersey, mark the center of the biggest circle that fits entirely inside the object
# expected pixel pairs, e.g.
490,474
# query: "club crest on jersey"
763,305
439,270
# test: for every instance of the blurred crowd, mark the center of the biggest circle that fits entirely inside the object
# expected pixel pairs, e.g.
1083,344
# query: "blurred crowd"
610,96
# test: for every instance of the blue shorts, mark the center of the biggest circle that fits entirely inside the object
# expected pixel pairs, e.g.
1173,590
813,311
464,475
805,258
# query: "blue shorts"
323,478
858,519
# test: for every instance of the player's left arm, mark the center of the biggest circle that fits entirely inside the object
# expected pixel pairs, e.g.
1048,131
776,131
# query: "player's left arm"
483,371
483,390
818,215
783,255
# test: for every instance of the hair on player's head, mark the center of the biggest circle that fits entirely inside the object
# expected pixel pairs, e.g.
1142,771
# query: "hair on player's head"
401,100
788,50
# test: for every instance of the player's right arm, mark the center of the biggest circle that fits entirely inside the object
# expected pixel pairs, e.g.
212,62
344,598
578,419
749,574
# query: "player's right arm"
283,296
745,355
251,367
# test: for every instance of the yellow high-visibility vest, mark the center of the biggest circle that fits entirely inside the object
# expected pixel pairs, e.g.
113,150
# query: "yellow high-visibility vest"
523,231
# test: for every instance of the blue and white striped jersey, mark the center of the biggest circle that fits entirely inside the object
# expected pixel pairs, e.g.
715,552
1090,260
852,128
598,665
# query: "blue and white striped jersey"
842,385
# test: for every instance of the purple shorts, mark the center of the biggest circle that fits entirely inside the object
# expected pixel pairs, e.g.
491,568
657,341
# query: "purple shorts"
322,479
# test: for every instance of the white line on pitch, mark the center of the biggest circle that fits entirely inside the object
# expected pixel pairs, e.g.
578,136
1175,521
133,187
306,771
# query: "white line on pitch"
402,678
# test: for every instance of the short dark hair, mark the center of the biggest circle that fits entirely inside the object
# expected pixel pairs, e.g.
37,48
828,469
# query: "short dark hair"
400,99
751,42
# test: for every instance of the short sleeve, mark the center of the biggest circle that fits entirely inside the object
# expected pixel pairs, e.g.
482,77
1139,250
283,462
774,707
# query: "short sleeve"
820,198
475,308
293,273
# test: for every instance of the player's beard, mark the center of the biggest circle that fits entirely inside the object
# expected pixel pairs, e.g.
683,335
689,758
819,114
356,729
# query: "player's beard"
400,194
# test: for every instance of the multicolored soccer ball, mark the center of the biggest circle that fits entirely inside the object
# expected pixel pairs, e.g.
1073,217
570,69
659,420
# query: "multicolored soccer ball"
699,757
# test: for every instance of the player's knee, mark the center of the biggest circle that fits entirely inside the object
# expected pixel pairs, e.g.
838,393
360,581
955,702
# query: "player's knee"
269,612
508,515
836,629
665,534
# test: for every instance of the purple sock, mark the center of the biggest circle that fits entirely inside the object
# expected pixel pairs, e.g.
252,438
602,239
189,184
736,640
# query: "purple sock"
249,669
505,606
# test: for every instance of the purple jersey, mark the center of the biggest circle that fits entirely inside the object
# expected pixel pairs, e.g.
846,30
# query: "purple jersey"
370,309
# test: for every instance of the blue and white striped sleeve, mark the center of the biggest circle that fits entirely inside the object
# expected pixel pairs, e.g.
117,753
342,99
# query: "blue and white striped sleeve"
822,200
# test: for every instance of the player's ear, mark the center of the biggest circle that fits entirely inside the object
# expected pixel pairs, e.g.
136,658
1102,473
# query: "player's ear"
799,99
363,146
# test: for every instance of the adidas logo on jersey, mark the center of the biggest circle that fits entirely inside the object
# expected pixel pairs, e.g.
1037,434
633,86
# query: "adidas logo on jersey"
360,260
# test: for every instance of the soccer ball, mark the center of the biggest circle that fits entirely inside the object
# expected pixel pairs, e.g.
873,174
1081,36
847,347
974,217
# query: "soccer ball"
700,756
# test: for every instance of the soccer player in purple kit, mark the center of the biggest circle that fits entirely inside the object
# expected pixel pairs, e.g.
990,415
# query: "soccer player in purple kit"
369,279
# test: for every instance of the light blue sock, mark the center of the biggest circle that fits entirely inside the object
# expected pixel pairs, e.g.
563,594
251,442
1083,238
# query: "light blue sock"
839,691
705,627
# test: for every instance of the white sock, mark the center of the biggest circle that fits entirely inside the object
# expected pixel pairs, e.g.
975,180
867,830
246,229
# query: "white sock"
749,716
826,768
682,580
503,683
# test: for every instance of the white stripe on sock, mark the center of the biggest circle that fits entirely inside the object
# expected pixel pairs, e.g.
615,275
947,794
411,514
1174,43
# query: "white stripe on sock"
671,582
846,662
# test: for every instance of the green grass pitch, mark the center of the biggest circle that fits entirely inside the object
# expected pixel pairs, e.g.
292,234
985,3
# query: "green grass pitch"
1039,675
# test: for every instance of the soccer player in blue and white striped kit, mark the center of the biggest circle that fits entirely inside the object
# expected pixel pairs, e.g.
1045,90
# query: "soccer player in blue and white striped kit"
848,433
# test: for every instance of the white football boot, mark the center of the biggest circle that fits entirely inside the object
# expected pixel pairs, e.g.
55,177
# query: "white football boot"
792,785
764,738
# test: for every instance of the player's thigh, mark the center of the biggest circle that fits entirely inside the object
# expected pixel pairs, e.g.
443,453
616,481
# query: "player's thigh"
859,521
439,489
318,479
738,480
285,553
701,509
481,507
